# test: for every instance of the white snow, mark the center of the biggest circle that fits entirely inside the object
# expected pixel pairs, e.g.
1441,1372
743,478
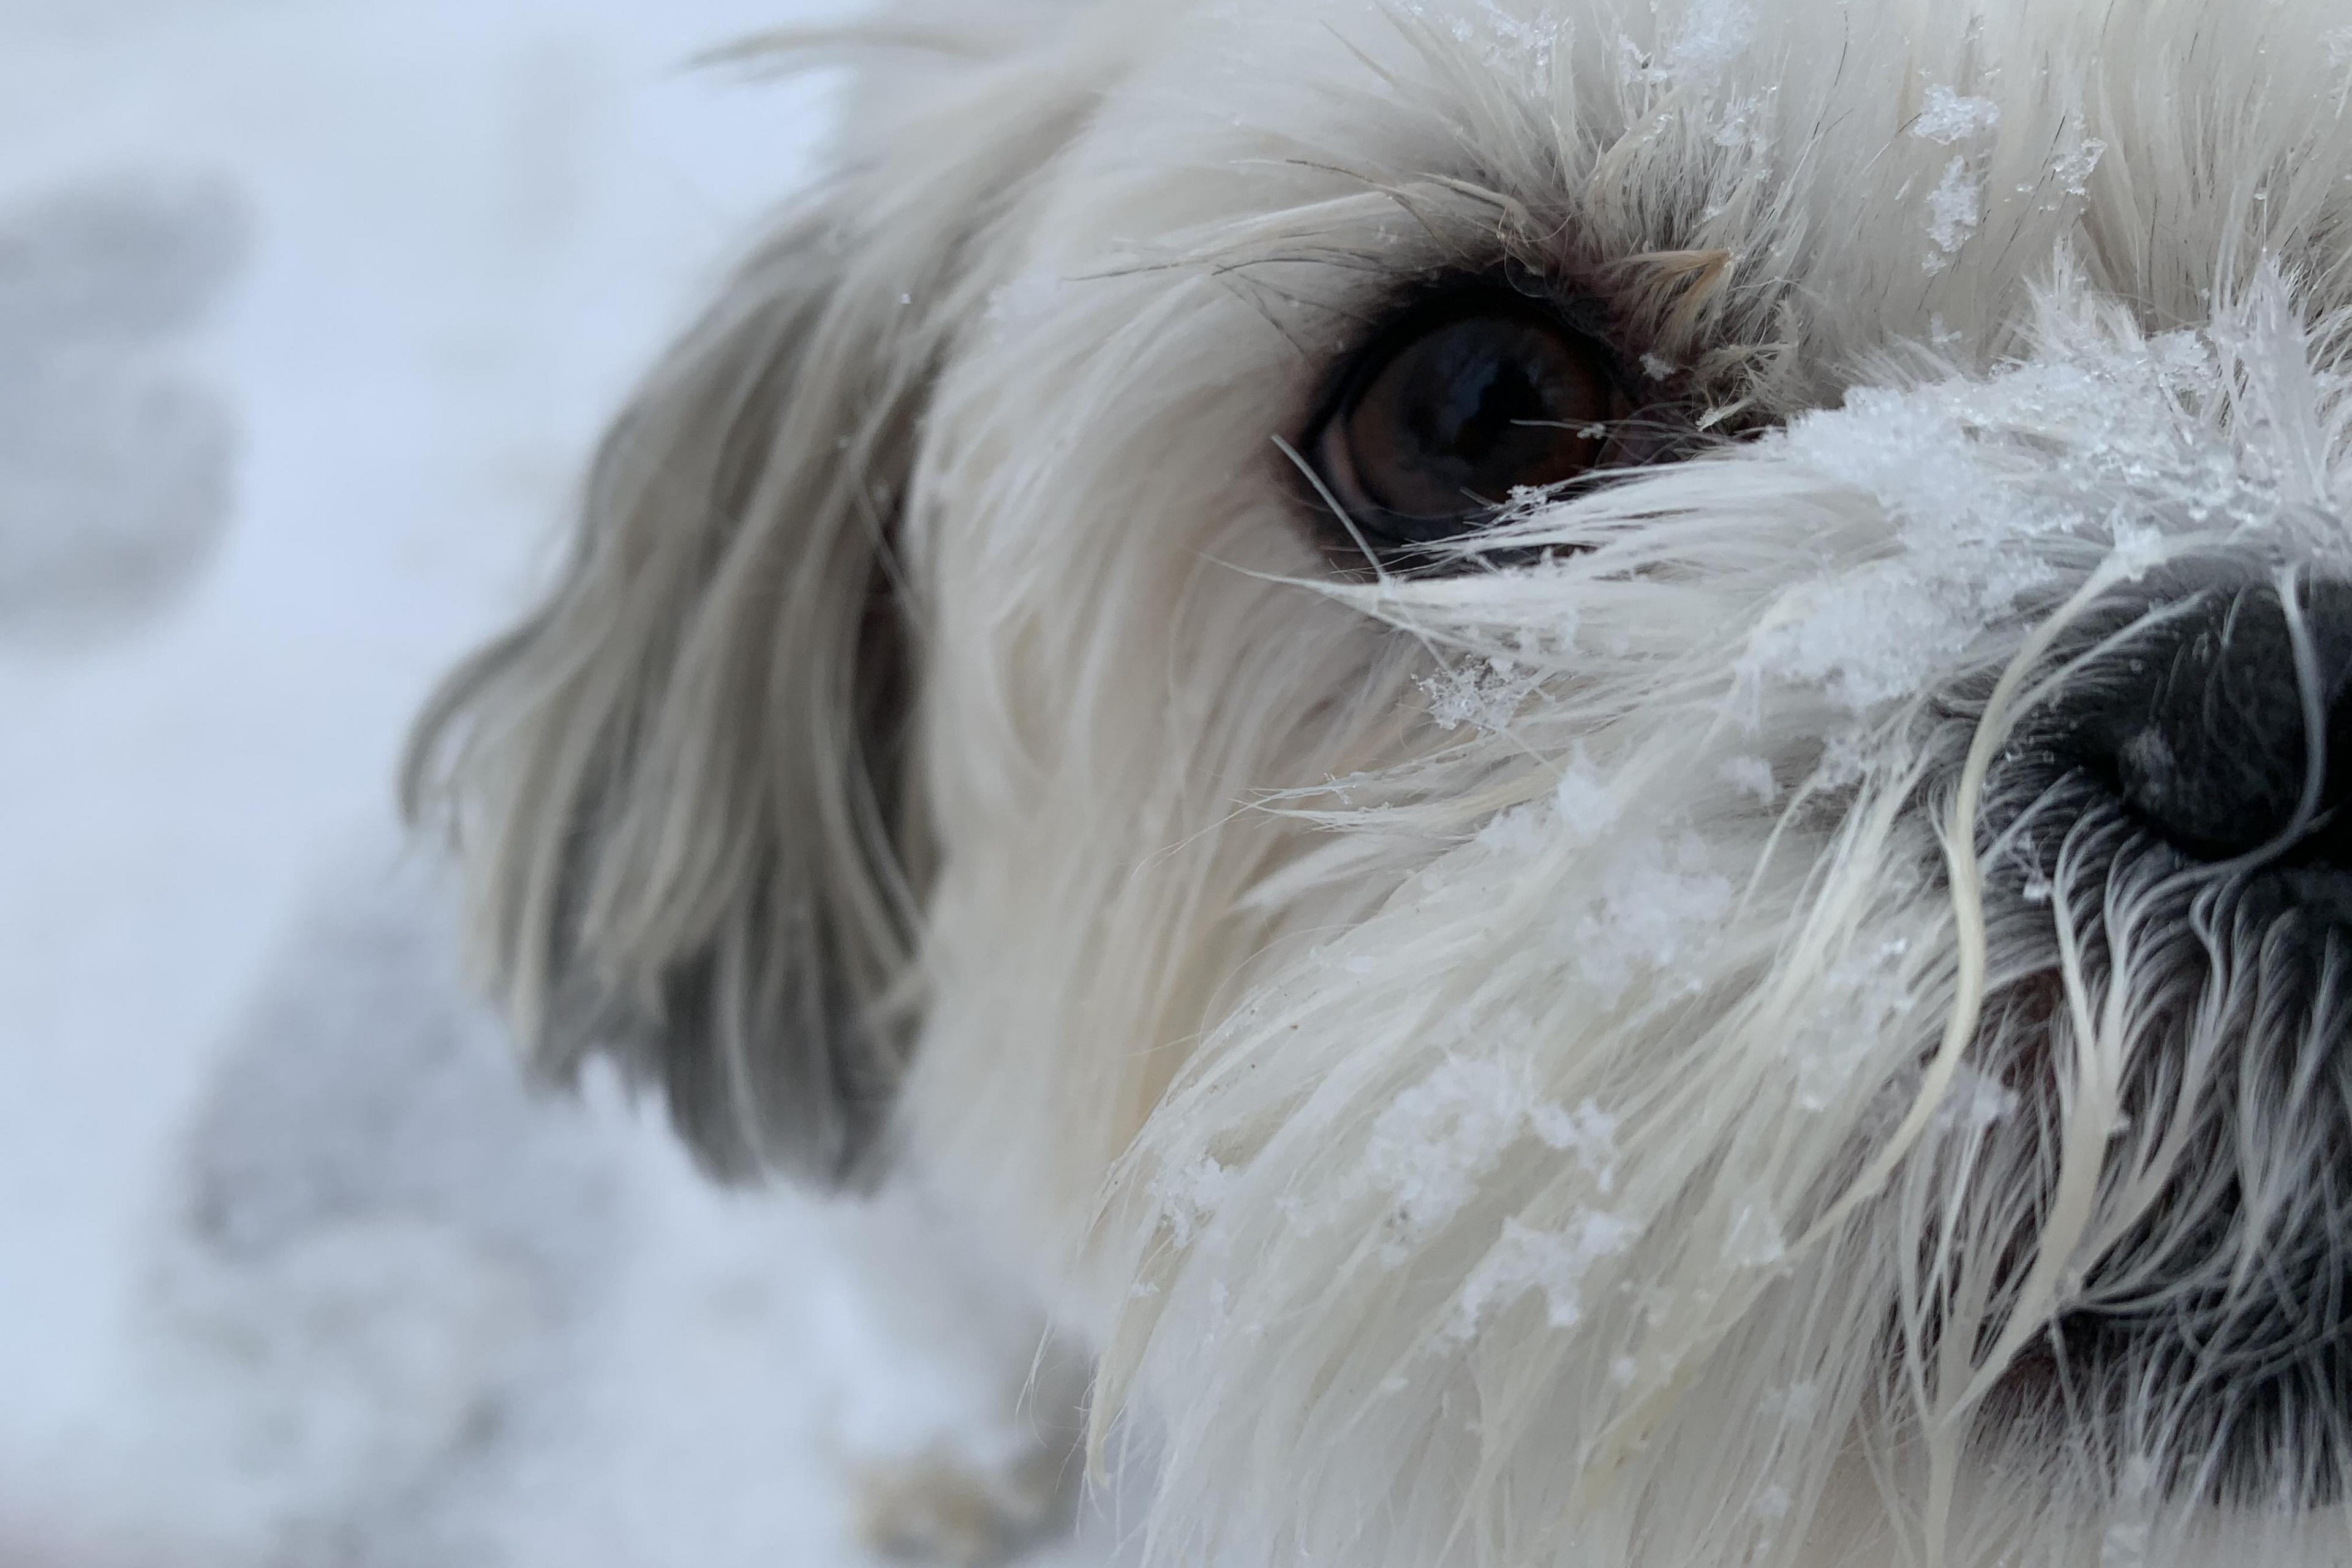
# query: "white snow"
1434,1143
1188,1197
1945,117
307,316
1586,809
1751,775
1525,1258
1954,207
1483,693
1714,34
1654,902
2072,169
1976,1100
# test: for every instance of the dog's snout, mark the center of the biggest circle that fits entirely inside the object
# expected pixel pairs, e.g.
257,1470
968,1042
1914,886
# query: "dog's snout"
2205,728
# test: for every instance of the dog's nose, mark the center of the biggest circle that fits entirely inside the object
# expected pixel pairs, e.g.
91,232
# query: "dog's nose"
2204,727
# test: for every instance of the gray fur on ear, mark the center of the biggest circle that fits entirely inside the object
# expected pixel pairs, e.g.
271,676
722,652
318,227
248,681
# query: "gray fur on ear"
681,788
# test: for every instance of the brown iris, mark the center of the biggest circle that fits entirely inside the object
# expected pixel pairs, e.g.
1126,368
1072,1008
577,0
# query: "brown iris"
1459,404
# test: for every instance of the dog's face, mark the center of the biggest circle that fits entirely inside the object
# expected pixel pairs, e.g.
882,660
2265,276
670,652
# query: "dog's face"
1585,747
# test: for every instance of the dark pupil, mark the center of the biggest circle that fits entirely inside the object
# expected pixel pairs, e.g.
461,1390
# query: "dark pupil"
1474,409
1473,404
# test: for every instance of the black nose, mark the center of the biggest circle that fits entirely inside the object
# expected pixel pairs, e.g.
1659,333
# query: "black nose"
2199,727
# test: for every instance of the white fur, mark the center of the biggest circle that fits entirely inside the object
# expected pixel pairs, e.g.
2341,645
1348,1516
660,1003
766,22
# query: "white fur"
1516,1067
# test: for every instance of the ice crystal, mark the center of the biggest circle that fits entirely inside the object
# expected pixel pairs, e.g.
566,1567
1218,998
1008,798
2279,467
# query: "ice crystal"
1484,694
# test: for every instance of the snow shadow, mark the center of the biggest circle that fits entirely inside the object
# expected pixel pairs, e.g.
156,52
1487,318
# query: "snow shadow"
116,464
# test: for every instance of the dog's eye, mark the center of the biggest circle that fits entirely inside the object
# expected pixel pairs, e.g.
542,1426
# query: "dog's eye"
1457,406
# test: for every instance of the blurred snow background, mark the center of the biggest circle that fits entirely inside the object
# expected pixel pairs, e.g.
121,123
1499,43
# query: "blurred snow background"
308,310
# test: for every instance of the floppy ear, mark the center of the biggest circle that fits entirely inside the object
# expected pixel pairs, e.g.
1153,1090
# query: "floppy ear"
680,789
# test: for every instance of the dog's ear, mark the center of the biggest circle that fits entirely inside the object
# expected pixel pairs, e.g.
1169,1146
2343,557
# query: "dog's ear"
681,788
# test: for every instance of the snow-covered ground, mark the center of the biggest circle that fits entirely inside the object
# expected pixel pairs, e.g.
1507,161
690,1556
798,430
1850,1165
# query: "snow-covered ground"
307,311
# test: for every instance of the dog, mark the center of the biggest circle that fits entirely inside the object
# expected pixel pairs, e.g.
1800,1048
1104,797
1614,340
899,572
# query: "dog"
1576,760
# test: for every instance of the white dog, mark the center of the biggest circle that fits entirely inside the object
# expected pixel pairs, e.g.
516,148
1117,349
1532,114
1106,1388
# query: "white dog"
1571,755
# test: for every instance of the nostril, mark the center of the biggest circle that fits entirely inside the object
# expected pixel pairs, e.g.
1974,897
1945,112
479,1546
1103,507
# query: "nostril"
2201,729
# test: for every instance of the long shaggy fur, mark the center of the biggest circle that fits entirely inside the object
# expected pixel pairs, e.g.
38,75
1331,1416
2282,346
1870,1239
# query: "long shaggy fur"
1622,1051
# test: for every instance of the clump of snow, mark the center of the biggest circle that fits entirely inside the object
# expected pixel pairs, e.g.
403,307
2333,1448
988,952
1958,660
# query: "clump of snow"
1434,1143
1525,1259
1519,831
2139,548
1714,33
2073,168
1653,904
1188,1197
1975,1101
1587,1132
1965,473
1583,803
1860,1000
1751,775
1954,207
1945,117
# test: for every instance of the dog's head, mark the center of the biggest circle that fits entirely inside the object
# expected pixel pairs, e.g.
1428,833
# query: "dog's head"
1593,747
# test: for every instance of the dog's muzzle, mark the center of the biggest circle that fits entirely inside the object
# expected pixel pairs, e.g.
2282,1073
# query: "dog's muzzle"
2180,813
